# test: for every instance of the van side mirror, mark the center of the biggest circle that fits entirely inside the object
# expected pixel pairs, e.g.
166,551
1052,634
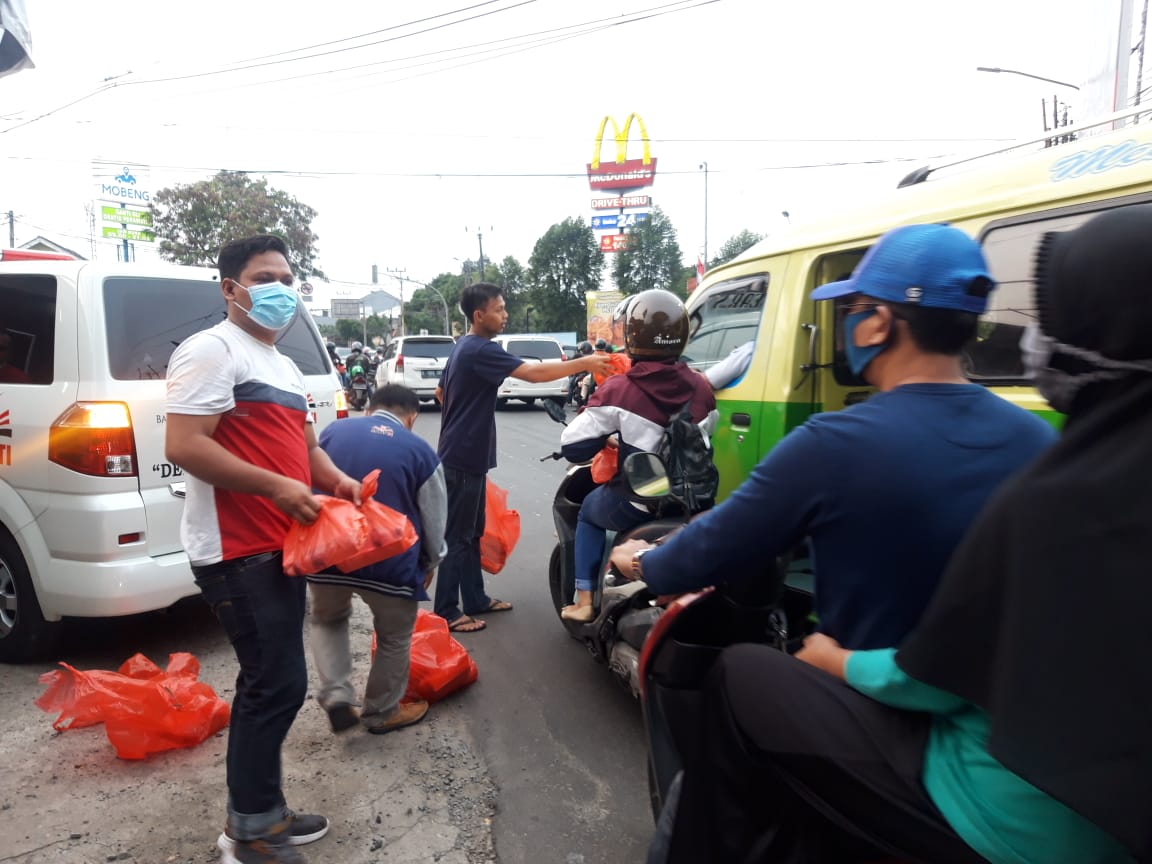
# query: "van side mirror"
647,476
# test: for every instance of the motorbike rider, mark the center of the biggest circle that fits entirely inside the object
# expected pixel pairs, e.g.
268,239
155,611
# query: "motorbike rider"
630,412
988,735
574,381
885,489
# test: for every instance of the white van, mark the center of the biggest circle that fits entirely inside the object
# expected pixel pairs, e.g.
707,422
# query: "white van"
532,349
89,506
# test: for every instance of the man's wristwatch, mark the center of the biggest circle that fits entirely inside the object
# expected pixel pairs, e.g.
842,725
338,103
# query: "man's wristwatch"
636,556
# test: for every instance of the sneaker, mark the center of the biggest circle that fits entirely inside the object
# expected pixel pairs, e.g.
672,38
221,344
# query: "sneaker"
301,828
406,714
342,717
275,848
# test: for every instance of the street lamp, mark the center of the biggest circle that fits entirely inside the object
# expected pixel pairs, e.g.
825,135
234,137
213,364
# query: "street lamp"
704,166
527,312
1026,75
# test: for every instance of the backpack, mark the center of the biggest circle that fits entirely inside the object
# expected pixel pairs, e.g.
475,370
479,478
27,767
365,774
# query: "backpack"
687,454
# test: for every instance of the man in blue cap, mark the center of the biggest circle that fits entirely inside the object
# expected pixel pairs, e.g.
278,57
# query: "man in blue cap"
885,489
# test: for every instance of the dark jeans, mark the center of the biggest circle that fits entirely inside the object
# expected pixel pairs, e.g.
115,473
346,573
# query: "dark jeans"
794,766
459,577
262,611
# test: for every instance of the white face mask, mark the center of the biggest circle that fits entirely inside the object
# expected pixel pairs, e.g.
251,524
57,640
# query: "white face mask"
1060,387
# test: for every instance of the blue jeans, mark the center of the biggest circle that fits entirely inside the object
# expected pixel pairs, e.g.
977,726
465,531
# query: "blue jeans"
603,509
262,611
459,577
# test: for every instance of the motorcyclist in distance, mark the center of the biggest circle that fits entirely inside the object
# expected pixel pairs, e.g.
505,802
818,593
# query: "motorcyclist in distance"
630,411
884,489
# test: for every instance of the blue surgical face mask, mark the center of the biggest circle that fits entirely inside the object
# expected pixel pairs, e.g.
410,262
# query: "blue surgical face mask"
859,357
273,305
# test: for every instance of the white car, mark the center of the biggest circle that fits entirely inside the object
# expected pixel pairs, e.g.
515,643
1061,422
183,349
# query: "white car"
417,362
90,507
532,349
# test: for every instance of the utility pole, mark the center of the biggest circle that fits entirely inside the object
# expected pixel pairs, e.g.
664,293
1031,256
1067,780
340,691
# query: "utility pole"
398,273
11,230
1140,62
480,240
704,165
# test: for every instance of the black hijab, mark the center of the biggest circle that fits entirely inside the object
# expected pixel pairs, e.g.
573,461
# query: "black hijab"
1044,618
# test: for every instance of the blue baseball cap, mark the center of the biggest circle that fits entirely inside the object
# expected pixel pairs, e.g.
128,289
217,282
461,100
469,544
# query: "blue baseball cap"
923,265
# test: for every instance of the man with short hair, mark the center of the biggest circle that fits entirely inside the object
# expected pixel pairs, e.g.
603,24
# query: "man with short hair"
884,489
411,482
467,392
239,426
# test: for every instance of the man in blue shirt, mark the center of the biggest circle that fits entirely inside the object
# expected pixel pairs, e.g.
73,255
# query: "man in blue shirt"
467,392
885,489
411,482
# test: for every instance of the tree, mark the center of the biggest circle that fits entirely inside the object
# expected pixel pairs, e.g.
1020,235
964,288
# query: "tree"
652,258
192,221
735,245
424,311
511,276
565,264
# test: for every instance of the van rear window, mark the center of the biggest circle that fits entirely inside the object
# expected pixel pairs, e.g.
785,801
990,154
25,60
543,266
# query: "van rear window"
535,349
438,349
147,318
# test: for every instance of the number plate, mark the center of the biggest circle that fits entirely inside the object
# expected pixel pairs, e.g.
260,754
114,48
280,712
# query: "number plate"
430,373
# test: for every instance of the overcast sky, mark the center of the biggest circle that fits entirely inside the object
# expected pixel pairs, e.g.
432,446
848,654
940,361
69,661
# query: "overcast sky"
488,123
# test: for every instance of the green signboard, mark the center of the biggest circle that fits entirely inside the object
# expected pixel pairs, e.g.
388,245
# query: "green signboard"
111,233
124,216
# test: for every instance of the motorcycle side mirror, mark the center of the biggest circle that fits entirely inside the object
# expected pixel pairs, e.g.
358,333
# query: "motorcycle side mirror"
646,475
556,411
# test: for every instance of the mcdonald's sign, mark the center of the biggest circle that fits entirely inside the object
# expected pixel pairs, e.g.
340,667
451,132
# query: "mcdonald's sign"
623,173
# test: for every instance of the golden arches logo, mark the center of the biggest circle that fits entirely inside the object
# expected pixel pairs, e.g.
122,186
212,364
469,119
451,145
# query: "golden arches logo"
621,136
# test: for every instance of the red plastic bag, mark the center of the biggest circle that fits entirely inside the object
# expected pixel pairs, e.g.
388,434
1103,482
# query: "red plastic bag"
144,710
346,536
501,529
440,665
390,532
604,464
338,533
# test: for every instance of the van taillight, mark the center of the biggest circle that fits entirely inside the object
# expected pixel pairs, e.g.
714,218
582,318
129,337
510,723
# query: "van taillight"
399,362
94,438
341,403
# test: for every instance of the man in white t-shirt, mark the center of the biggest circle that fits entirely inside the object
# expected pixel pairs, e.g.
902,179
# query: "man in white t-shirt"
238,425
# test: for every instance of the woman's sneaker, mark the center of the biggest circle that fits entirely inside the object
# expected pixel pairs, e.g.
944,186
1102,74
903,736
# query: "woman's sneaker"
299,828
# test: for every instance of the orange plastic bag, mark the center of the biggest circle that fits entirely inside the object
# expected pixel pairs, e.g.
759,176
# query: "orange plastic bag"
604,464
618,365
346,536
144,709
390,532
440,665
501,529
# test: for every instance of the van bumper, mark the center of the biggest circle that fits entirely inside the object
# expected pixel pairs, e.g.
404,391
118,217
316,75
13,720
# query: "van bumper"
93,589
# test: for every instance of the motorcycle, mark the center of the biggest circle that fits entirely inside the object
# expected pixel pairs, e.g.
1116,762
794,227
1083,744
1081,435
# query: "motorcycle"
627,609
357,389
775,609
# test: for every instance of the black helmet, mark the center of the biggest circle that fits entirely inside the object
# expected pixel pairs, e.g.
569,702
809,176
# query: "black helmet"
655,325
357,346
601,345
331,346
584,348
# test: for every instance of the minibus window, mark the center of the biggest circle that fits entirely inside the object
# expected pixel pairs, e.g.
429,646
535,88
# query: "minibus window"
727,317
994,356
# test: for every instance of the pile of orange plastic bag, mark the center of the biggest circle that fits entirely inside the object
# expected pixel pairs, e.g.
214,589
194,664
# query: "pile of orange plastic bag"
144,709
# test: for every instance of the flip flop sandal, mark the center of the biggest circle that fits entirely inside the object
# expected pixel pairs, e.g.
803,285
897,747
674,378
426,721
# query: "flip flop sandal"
498,606
466,624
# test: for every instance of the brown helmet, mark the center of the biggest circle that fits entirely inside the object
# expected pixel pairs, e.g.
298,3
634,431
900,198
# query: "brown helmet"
655,325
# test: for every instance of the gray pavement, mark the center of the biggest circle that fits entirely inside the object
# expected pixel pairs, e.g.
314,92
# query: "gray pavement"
541,761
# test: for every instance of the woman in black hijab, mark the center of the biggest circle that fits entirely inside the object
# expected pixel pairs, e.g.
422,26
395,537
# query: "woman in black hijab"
1017,717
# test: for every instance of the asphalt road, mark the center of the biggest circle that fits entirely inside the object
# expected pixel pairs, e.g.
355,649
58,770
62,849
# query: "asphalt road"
540,762
563,741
